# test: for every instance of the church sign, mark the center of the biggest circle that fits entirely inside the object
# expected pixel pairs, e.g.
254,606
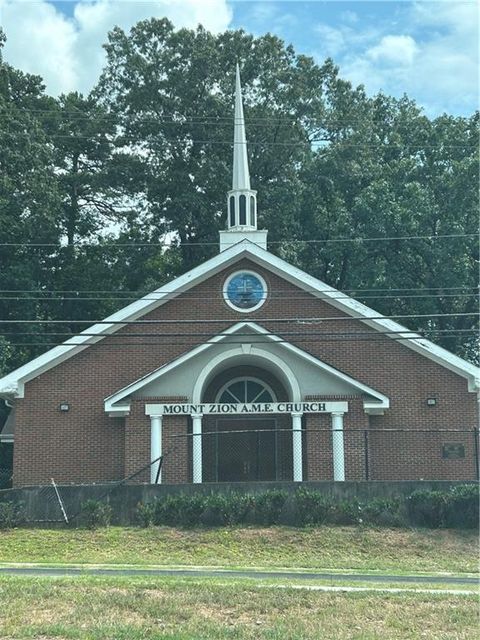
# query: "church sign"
227,408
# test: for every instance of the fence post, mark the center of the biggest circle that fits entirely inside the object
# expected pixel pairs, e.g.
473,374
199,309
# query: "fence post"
365,443
475,452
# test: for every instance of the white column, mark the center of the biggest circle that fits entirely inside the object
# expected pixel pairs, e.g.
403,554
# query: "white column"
155,447
297,447
197,447
338,447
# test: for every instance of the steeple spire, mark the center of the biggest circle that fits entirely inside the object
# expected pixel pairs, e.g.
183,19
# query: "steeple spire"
241,175
241,200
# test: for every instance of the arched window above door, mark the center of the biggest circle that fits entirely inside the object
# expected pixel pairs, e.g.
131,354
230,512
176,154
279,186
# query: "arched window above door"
244,390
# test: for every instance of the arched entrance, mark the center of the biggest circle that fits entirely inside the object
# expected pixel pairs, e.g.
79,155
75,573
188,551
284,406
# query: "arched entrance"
246,448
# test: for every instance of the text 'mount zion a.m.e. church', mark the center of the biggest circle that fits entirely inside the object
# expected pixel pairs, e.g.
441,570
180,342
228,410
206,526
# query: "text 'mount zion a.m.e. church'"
244,369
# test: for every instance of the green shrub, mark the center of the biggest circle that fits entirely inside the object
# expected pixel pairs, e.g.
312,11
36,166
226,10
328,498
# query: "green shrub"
145,513
11,515
181,510
457,507
94,514
311,507
383,512
266,508
461,507
426,508
345,513
226,509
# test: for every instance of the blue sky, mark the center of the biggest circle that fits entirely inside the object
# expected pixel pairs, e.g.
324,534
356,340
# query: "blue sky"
425,48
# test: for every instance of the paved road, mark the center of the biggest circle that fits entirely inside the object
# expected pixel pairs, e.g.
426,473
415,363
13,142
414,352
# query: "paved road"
227,573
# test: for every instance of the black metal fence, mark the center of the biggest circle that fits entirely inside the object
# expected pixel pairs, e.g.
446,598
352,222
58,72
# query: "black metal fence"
6,477
249,455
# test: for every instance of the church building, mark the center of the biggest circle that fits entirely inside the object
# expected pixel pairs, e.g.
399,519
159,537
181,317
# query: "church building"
244,369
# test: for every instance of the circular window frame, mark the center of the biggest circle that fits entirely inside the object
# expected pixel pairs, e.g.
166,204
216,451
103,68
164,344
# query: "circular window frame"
250,273
265,385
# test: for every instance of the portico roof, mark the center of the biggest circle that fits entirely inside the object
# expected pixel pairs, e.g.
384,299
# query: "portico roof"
119,402
12,385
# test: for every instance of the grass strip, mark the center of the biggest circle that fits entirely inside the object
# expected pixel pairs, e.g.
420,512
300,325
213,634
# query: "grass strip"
180,609
326,547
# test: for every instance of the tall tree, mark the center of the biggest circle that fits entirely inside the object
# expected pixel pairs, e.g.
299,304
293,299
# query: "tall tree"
172,91
29,207
399,175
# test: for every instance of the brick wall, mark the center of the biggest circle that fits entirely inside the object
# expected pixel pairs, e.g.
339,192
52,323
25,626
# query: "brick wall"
85,445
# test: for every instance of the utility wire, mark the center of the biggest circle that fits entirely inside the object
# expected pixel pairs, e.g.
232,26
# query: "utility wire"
204,244
315,336
151,343
337,145
270,296
179,119
239,319
140,293
236,334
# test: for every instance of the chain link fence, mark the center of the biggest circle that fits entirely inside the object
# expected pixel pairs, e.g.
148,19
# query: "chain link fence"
253,455
6,474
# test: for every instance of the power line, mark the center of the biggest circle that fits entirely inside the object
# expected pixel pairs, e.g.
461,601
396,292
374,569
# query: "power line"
248,335
238,319
151,343
253,143
139,293
290,241
182,118
270,296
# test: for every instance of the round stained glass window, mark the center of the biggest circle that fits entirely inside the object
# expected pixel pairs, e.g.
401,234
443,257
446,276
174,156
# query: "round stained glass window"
245,291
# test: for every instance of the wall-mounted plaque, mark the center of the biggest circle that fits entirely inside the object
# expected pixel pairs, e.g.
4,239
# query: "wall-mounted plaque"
453,450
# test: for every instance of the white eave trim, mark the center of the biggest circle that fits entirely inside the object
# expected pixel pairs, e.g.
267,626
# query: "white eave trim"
377,400
365,314
12,385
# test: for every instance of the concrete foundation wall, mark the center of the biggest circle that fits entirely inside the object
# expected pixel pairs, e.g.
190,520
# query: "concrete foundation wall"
39,503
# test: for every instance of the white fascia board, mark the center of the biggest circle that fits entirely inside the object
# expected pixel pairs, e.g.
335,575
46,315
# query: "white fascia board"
112,400
12,385
382,401
359,311
379,401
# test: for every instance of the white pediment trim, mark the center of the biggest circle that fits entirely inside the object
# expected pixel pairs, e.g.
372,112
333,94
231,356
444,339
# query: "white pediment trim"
119,402
12,385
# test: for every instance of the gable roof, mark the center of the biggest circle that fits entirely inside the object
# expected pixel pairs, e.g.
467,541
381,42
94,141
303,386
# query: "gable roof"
377,401
12,385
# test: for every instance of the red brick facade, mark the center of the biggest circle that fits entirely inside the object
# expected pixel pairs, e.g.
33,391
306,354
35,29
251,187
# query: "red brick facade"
86,445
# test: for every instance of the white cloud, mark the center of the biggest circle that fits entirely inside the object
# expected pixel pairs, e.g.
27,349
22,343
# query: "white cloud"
393,50
429,52
67,51
332,41
40,40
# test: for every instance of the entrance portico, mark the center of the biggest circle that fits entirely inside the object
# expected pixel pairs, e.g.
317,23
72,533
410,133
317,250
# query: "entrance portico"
294,409
247,408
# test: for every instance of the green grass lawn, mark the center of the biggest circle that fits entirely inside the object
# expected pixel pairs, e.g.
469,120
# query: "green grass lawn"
336,548
181,609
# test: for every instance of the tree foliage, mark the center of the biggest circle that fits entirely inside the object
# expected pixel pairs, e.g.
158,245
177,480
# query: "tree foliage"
146,158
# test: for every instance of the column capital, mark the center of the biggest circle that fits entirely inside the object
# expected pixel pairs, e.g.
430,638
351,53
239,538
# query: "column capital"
196,415
156,416
338,413
296,414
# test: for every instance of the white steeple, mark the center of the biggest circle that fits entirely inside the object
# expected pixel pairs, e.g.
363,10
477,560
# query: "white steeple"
241,200
241,175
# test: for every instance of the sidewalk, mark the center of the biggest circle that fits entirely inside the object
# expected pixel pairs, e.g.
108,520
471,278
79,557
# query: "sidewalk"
20,569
